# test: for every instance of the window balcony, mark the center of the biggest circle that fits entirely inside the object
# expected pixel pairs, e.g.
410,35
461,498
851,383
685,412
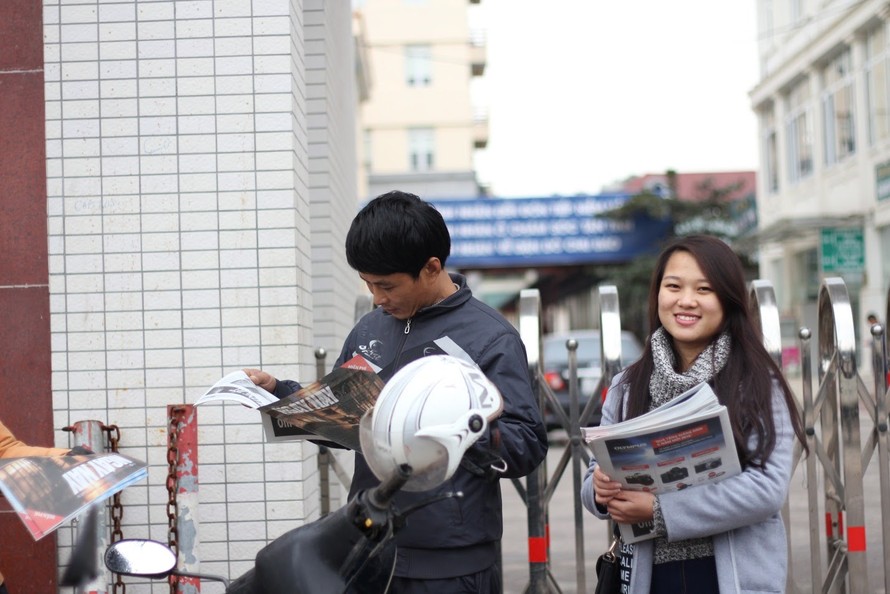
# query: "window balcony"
478,52
480,128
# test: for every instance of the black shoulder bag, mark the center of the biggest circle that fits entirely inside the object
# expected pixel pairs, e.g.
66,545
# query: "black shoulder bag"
608,568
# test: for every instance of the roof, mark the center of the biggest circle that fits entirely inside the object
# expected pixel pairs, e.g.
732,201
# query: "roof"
695,186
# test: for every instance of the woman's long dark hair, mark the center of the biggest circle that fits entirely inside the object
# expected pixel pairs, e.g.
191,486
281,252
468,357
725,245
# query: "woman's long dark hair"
745,383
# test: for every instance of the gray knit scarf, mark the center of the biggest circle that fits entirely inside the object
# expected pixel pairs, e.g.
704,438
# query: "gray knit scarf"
666,383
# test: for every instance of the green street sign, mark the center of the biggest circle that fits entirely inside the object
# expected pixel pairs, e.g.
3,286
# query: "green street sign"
843,250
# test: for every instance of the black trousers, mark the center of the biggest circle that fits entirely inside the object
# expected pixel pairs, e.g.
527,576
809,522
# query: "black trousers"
694,576
487,581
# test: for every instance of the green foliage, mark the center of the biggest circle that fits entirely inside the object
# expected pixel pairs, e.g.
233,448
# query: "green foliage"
708,211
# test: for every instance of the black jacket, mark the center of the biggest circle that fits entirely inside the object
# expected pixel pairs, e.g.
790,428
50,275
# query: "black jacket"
456,536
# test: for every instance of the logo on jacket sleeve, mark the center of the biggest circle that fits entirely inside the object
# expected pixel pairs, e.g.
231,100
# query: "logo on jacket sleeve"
371,350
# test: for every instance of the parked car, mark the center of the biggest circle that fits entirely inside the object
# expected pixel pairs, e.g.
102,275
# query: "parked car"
555,357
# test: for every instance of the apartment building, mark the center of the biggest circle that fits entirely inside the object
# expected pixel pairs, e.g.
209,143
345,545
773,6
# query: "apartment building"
823,105
420,126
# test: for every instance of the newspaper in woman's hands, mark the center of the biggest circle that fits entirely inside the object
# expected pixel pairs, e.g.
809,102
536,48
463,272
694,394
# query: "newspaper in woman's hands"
683,443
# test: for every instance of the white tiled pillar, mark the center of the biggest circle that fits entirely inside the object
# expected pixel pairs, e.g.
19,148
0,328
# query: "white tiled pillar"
179,228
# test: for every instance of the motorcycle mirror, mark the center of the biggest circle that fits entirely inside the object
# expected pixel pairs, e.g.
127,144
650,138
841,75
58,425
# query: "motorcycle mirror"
140,557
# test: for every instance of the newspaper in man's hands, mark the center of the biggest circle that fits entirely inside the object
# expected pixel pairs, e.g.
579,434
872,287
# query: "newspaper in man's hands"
328,409
683,443
237,387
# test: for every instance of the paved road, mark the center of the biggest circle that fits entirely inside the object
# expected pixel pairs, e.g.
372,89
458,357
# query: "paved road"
562,531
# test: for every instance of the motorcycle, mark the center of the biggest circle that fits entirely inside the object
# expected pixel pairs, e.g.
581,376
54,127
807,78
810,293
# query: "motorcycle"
414,438
350,550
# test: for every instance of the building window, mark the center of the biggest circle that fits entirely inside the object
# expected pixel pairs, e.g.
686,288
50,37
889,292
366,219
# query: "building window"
876,81
808,280
800,138
418,65
770,156
421,149
884,240
838,109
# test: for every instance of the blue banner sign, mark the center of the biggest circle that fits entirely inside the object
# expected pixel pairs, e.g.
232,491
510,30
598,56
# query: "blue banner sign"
511,232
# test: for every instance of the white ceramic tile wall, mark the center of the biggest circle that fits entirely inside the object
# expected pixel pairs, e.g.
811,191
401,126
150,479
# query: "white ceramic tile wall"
181,243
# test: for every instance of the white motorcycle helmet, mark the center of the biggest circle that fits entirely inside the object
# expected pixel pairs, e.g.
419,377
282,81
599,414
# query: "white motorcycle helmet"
427,416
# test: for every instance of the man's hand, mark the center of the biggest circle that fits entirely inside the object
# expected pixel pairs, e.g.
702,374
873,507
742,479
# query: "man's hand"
262,379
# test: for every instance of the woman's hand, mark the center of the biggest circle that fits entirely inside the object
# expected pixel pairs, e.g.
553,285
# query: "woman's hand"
604,488
262,379
631,507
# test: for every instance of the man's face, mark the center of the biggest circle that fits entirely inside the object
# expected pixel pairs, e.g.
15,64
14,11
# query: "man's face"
400,294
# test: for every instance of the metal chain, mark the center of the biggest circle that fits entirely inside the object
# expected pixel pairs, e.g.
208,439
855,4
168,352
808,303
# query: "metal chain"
176,423
117,508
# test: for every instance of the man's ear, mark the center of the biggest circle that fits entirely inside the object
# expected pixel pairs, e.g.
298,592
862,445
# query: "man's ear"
433,266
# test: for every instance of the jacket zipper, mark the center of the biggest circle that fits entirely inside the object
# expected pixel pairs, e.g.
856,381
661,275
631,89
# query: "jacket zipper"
408,326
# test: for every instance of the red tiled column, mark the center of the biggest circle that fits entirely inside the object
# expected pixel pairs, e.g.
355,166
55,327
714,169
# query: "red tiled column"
25,388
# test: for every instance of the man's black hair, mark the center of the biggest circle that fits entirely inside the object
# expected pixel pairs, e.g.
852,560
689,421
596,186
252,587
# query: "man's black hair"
396,232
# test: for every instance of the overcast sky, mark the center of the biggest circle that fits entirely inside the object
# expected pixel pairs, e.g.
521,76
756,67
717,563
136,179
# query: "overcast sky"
582,93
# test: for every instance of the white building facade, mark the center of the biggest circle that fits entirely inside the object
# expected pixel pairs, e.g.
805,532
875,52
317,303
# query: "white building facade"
823,104
201,175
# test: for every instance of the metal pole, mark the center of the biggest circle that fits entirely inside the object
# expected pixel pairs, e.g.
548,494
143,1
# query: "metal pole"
575,444
837,345
184,435
883,438
91,435
765,314
809,424
324,455
538,543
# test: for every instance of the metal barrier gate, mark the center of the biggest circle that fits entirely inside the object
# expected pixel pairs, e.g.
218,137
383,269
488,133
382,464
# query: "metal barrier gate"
576,456
832,423
833,470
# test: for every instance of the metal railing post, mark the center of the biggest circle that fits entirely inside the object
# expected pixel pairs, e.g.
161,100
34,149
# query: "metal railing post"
92,435
575,444
837,352
324,455
882,437
538,544
182,428
765,313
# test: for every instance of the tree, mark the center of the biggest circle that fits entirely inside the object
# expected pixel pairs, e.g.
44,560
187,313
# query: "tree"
709,210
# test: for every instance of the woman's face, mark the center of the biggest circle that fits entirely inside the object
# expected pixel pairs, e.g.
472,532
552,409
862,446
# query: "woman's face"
688,308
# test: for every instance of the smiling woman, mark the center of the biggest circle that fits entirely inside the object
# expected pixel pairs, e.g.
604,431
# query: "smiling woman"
718,537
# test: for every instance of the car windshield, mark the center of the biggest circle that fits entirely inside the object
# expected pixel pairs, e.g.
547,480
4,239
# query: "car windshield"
556,354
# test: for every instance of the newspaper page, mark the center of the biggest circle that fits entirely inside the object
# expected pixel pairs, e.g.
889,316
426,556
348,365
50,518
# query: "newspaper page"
48,491
684,443
237,387
328,409
331,407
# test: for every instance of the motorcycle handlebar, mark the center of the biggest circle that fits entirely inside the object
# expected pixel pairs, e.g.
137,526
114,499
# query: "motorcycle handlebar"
382,494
